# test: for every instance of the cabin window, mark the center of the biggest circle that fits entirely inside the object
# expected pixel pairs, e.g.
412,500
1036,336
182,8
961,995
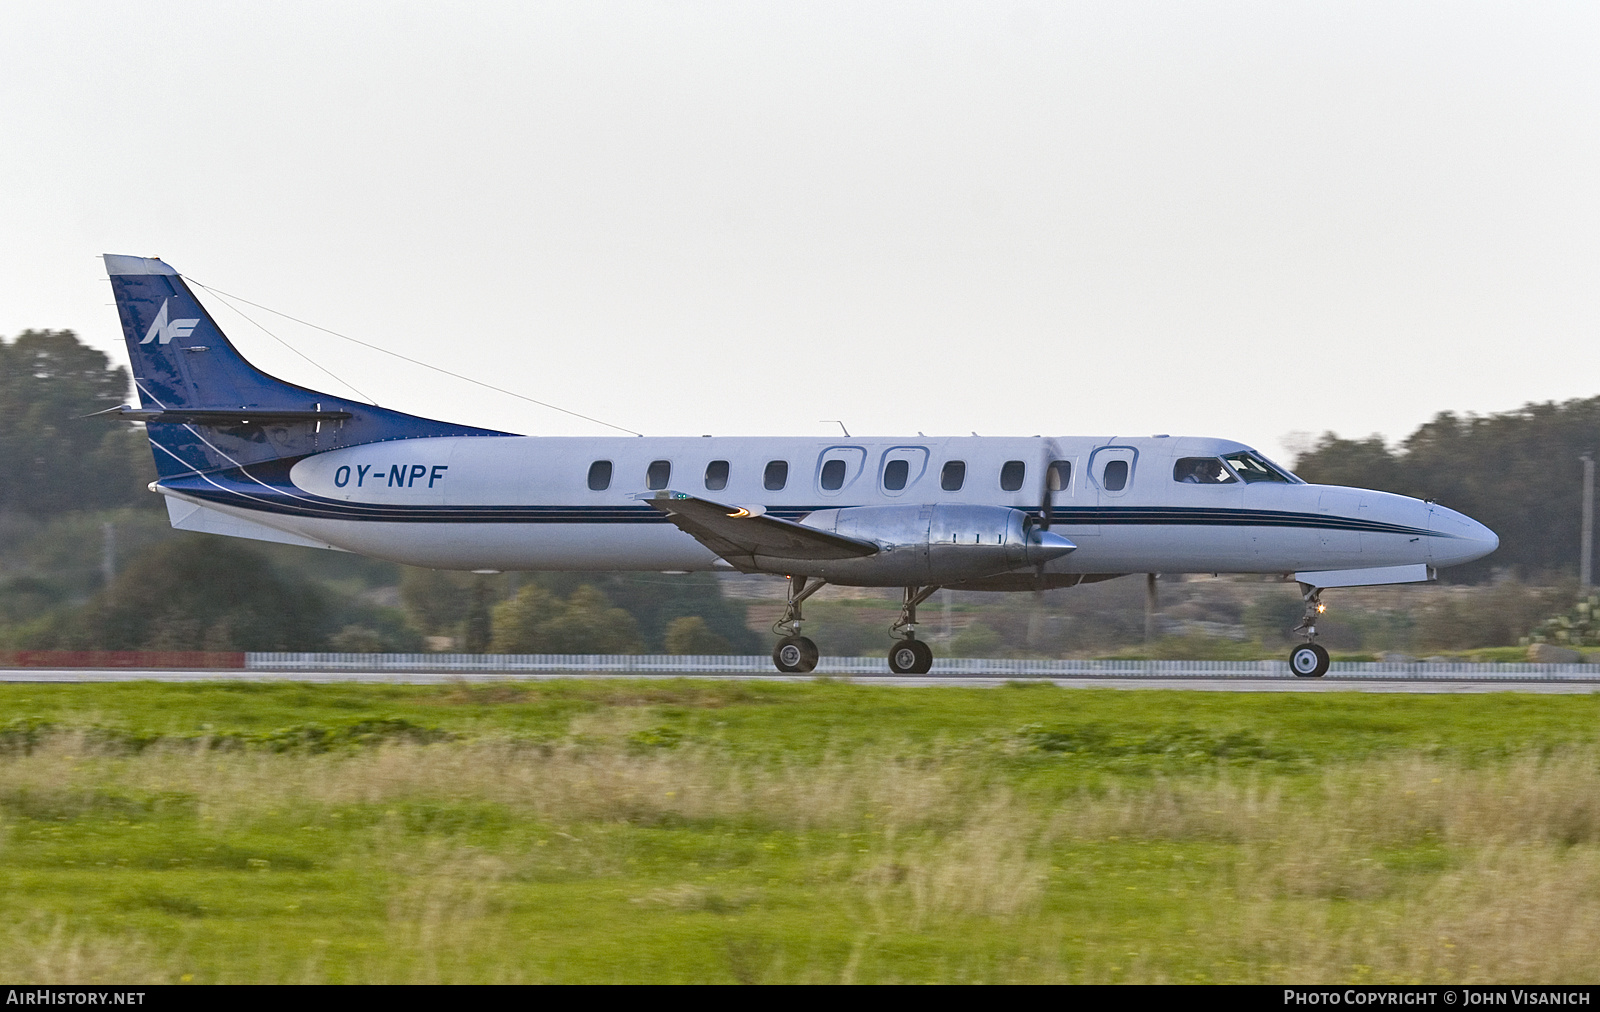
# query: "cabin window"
894,474
1254,467
776,475
1012,474
1059,475
1115,477
600,476
833,475
1201,471
658,474
953,476
716,476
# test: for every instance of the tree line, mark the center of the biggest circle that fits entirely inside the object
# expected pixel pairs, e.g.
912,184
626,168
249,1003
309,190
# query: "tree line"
52,457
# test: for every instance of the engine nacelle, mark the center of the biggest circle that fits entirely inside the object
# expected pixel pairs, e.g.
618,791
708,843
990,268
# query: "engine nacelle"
931,544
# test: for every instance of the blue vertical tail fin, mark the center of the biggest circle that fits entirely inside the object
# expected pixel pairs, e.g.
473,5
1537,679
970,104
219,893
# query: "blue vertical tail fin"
207,408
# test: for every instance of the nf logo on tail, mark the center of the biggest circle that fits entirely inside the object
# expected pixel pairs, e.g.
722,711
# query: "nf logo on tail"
167,331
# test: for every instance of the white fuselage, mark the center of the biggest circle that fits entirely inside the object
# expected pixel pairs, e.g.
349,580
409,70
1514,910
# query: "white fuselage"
531,506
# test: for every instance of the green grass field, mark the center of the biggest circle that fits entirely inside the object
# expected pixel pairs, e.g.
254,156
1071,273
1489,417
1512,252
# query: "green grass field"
716,830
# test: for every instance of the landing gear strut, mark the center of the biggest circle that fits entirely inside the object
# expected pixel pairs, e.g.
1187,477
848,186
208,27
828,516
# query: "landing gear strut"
1309,659
795,653
909,655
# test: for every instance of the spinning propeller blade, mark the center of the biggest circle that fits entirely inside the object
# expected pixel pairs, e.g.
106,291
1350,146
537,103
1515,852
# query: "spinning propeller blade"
1049,484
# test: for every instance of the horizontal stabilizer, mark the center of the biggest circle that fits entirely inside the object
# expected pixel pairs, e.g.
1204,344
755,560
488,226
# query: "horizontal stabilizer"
1375,577
740,535
221,416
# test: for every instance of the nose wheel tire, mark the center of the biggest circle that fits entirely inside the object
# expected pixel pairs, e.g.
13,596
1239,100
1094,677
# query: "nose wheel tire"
910,657
795,655
1309,661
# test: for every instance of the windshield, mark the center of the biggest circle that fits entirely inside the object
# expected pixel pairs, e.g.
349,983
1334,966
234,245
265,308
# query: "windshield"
1253,467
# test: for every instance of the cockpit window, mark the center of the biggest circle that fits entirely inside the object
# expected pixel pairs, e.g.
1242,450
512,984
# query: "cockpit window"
1253,467
1201,471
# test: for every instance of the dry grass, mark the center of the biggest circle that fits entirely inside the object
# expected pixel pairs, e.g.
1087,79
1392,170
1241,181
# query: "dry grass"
562,783
1525,799
1388,870
52,951
1508,913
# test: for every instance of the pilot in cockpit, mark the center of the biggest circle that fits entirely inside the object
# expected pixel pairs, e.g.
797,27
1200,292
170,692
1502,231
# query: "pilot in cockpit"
1200,471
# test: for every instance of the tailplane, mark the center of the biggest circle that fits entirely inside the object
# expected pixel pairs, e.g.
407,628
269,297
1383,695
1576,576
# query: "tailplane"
207,408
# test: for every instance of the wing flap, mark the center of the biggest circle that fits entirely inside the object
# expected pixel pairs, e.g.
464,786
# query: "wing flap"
741,536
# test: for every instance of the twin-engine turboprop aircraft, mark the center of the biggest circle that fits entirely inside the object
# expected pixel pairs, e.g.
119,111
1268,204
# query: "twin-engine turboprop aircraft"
244,454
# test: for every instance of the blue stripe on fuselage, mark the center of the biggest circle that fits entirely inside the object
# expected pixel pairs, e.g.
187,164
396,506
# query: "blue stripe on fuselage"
265,488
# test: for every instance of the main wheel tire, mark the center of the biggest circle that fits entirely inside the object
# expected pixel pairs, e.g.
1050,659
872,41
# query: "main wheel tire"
795,655
1308,661
910,657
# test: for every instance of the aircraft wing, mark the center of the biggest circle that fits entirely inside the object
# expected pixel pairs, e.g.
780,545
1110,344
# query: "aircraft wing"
739,535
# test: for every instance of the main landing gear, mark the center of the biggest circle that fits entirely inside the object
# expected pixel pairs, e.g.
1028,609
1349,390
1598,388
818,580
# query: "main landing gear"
1309,659
909,655
795,653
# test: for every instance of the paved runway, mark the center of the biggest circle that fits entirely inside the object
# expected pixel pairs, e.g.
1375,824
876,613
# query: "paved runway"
1334,682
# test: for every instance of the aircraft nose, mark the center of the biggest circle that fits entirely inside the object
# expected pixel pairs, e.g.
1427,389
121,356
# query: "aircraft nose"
1464,538
1046,545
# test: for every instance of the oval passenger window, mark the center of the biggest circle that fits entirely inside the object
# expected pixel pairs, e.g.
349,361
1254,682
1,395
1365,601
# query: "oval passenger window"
894,475
716,475
1011,475
600,476
776,475
833,475
1115,478
1060,475
658,474
953,476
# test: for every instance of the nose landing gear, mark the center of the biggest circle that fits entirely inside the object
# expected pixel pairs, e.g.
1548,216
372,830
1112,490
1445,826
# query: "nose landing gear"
909,655
1309,659
795,654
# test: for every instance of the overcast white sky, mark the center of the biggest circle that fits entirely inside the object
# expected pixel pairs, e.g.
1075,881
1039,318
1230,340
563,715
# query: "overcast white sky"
1232,219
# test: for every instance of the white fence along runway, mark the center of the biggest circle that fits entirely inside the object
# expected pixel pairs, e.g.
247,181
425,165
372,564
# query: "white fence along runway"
1235,676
